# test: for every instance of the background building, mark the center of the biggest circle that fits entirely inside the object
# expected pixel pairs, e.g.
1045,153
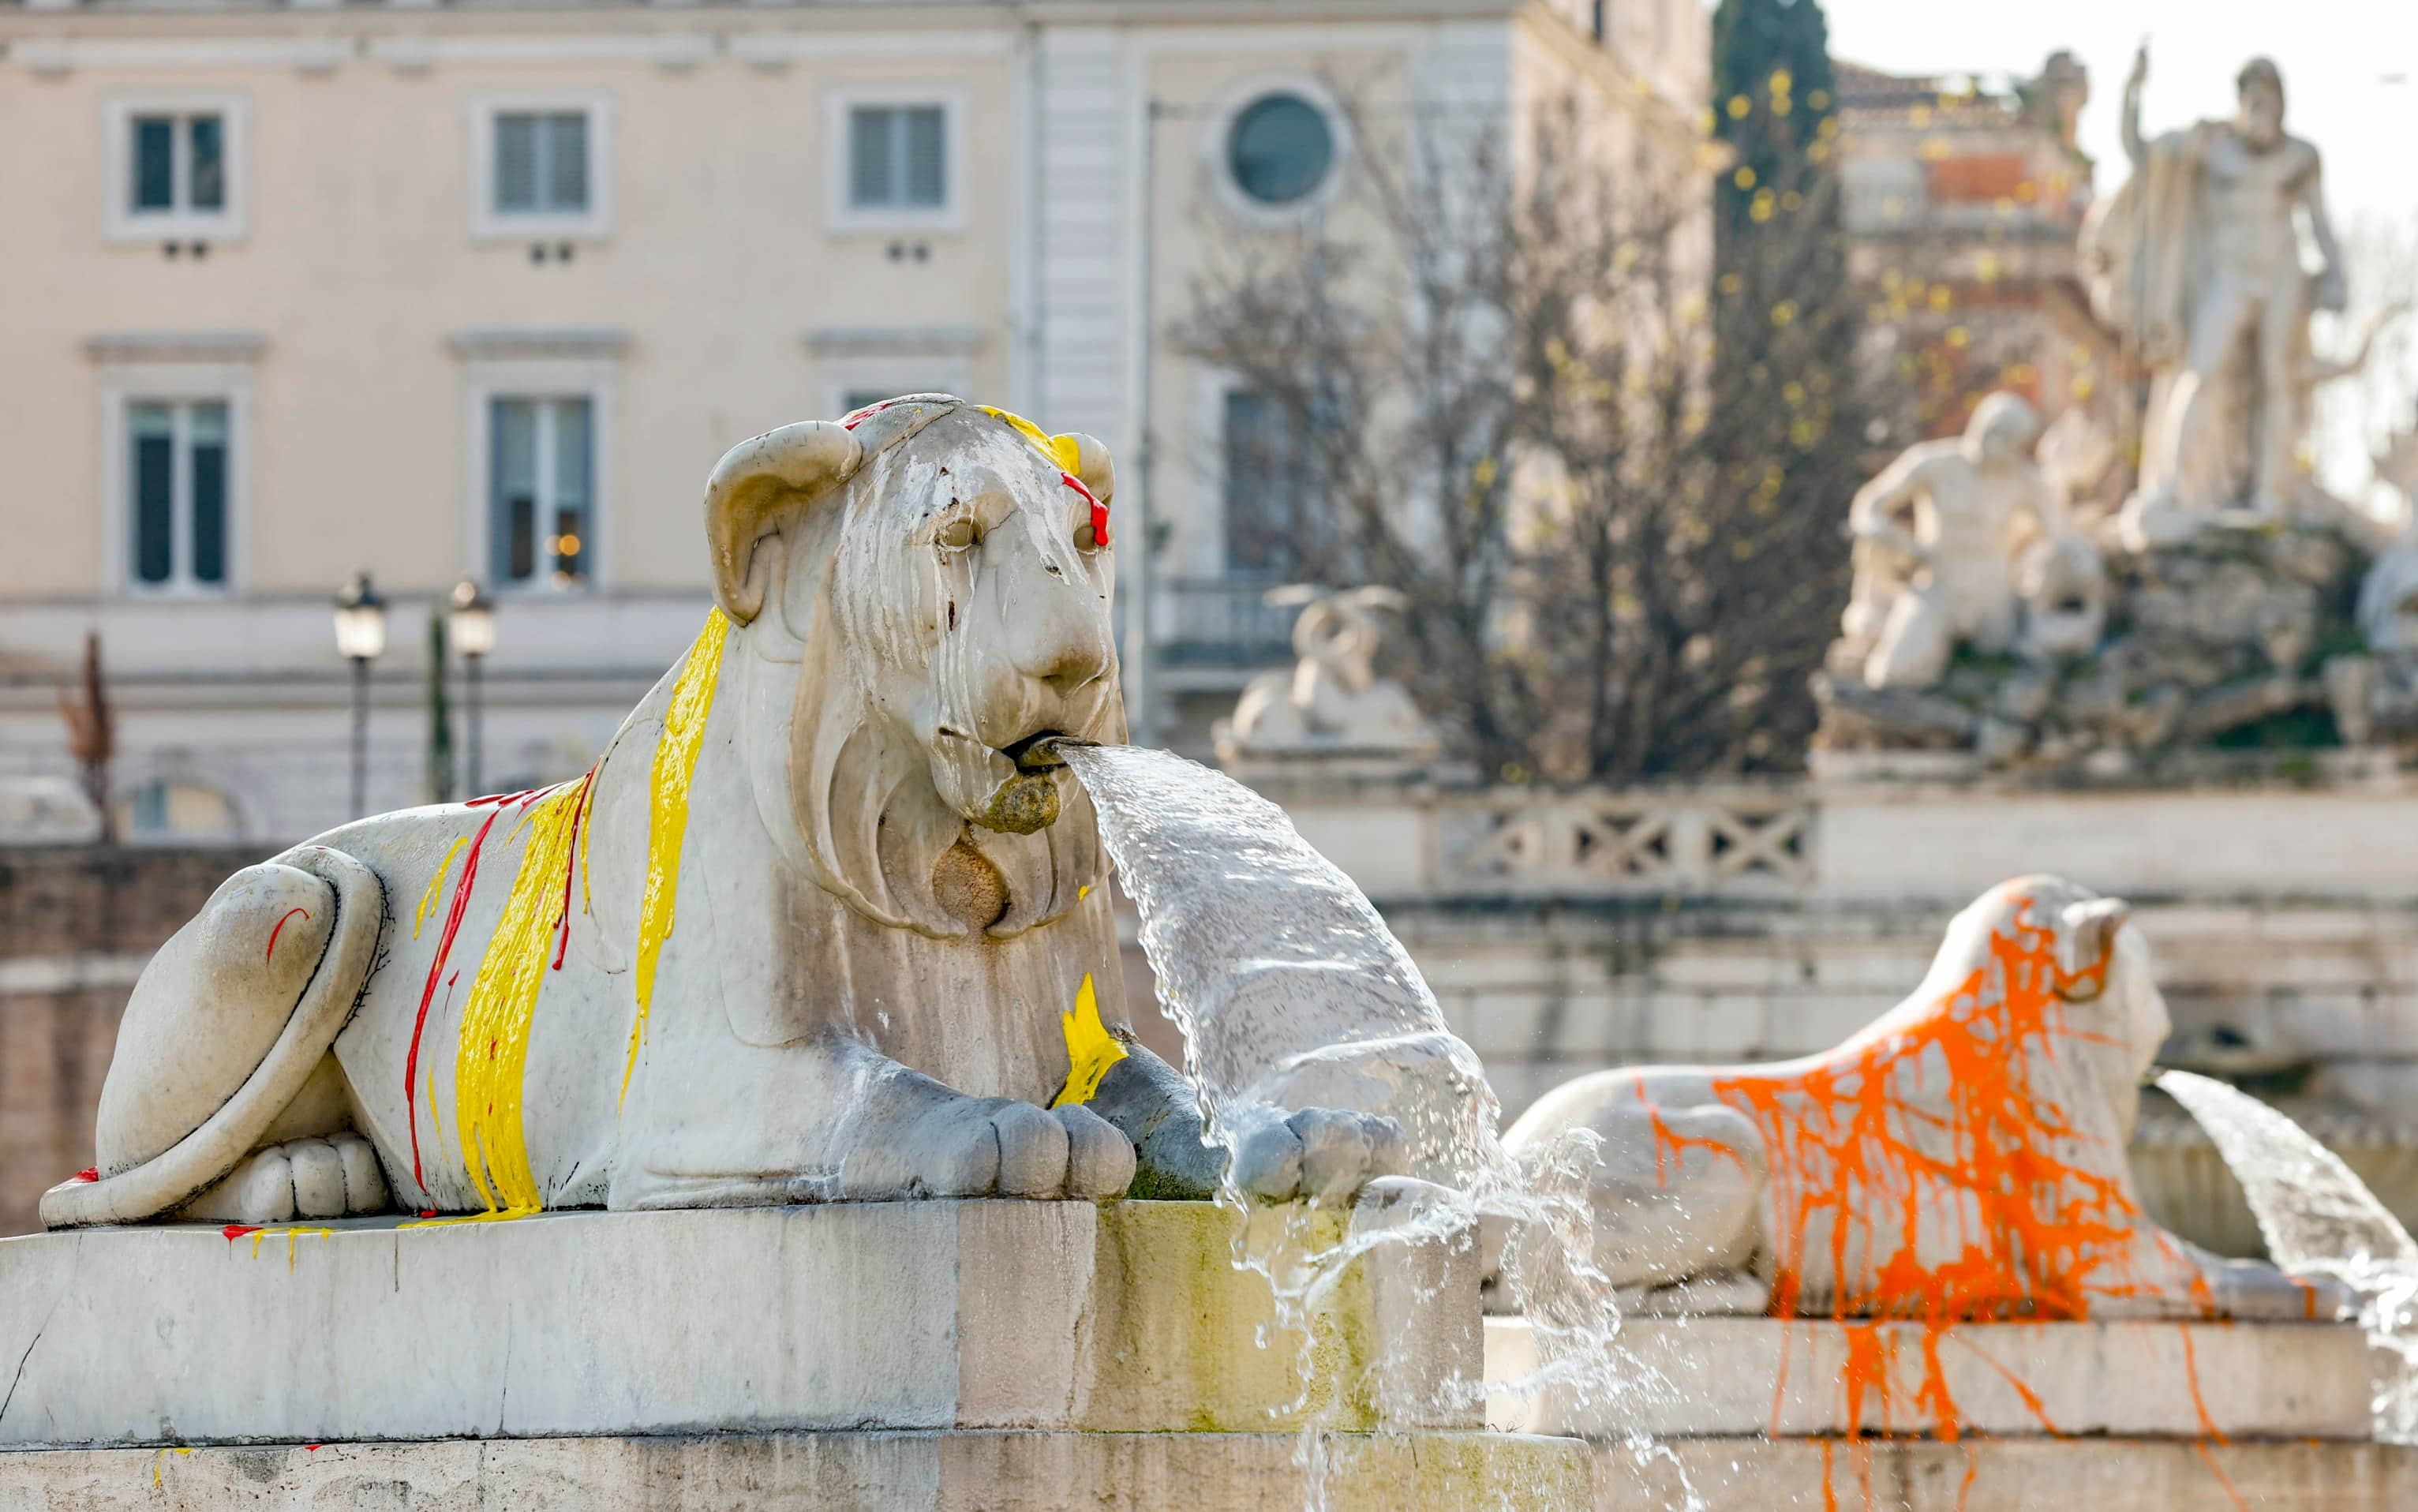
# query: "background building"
486,289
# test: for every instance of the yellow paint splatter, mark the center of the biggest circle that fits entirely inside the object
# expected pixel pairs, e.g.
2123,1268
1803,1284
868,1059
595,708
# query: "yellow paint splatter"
1091,1050
492,1055
428,899
1064,450
159,1458
676,754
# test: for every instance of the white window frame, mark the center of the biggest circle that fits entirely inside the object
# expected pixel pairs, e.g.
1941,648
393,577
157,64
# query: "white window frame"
486,380
1219,128
487,223
127,384
121,220
840,215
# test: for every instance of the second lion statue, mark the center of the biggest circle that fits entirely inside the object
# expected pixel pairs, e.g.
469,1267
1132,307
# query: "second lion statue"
825,922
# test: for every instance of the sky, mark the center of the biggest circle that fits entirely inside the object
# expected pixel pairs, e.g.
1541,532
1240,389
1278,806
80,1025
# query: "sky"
2350,83
2350,70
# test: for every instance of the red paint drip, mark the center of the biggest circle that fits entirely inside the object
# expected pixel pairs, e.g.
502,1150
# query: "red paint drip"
444,949
236,1230
309,1448
858,416
1100,510
497,798
570,862
428,1213
278,927
92,1173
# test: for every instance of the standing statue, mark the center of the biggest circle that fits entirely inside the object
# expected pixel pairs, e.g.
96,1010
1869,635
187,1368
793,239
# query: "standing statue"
2197,261
1942,541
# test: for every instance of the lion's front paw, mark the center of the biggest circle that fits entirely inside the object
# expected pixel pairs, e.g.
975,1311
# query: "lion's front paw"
993,1146
329,1178
1323,1154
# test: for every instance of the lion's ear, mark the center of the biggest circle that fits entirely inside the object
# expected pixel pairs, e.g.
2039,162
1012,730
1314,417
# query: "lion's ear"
1089,462
756,484
2089,928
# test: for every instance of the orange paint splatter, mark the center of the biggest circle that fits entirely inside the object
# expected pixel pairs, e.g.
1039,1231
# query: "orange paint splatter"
1929,1120
278,928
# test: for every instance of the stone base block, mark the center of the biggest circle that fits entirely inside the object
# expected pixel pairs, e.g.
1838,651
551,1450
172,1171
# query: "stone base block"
945,1471
2006,1475
1051,1316
1703,1377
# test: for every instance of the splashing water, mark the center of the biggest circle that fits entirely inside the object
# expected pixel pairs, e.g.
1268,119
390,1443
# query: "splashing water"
1292,993
2319,1219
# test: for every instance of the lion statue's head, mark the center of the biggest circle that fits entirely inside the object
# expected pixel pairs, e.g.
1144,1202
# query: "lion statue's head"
2103,980
922,595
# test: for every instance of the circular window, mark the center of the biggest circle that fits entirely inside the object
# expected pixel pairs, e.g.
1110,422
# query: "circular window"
1280,148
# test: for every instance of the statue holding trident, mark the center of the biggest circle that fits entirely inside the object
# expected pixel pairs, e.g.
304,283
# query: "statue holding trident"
2196,263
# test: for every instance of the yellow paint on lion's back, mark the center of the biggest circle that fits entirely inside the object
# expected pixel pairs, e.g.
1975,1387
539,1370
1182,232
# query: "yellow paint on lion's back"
490,1056
675,768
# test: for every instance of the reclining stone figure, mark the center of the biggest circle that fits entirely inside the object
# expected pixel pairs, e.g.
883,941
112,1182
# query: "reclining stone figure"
1961,1158
825,922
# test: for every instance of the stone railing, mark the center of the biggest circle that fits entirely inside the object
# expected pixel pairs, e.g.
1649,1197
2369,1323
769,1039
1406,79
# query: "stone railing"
1702,840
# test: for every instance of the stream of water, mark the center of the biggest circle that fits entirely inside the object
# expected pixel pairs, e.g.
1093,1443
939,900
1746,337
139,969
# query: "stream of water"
2319,1219
1292,993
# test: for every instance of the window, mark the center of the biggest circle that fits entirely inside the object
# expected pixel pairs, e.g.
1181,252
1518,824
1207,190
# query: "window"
540,166
178,167
168,810
177,475
541,493
541,162
1268,492
894,159
1280,149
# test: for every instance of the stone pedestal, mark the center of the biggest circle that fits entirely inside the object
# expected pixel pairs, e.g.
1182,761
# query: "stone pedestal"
923,1355
1753,1414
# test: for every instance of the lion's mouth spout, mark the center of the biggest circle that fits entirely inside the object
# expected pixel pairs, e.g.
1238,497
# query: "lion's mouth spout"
1039,750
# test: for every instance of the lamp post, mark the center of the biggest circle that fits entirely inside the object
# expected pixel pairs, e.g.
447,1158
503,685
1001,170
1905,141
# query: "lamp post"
473,623
360,639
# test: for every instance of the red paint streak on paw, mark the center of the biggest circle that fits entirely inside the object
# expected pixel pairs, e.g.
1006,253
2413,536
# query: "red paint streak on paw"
569,864
236,1230
92,1173
278,928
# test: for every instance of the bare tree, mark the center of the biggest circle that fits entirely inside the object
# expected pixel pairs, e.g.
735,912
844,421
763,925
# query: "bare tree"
1502,370
92,734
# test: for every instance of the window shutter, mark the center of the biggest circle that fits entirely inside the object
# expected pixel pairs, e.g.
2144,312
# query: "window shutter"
515,161
151,430
208,429
154,185
869,156
205,136
926,157
567,163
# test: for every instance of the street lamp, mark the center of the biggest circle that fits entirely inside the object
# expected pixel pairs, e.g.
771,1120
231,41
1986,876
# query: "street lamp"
360,639
473,622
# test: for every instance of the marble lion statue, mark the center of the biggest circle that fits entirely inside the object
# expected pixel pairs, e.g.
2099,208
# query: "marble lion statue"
825,922
1962,1157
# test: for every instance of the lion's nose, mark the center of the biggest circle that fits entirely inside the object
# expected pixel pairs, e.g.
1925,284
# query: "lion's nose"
1058,640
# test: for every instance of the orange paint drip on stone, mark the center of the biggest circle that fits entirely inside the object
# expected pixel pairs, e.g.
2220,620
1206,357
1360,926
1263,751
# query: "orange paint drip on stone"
1857,1166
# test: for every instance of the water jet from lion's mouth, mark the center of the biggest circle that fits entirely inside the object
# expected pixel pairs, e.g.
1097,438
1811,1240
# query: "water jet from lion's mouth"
1038,751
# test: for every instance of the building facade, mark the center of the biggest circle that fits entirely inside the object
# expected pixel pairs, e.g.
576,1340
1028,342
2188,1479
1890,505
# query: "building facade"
483,290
